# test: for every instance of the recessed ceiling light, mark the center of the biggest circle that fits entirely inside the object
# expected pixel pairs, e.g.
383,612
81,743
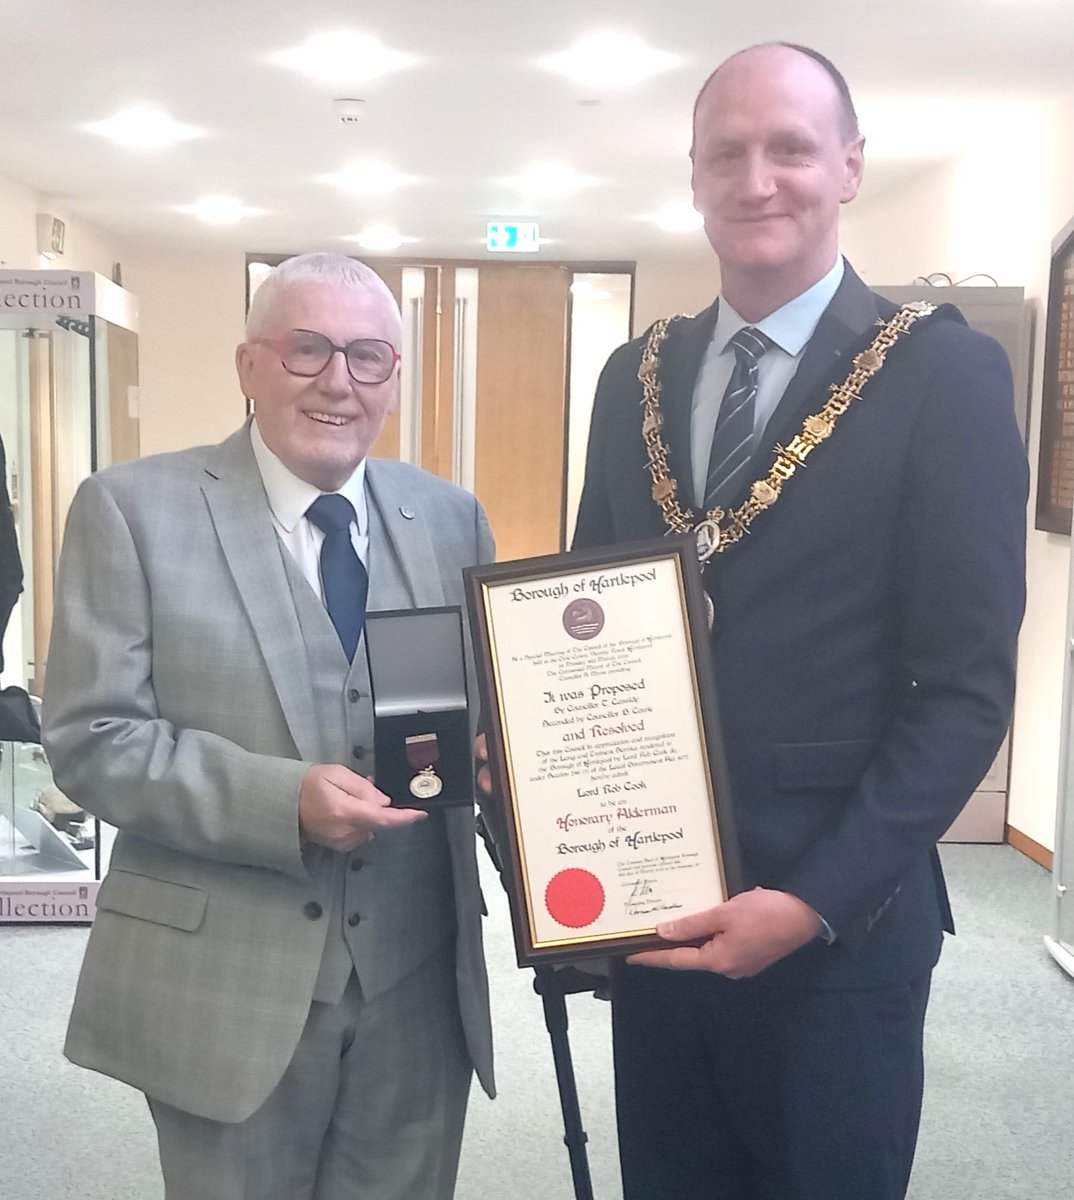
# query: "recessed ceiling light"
549,180
610,60
219,210
380,237
143,128
368,179
343,57
677,216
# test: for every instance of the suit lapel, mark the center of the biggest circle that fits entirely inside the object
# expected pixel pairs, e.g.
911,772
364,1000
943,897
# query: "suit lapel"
404,523
402,517
848,323
679,369
240,515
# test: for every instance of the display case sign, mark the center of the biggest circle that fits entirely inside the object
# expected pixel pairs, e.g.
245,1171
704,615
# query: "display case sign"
34,299
47,902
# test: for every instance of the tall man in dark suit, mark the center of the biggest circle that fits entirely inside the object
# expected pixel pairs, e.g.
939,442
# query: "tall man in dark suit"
863,644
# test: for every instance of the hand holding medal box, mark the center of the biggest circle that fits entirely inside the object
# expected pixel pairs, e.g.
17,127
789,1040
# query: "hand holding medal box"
604,745
417,668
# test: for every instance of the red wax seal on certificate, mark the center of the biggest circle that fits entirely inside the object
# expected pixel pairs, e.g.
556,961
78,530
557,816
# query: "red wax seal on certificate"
574,897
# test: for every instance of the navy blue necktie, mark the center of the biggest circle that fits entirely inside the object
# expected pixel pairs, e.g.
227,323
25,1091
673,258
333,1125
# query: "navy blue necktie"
343,577
732,442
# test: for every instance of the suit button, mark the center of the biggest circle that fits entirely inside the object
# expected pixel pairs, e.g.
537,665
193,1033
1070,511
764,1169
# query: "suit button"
354,919
358,752
357,864
312,910
354,695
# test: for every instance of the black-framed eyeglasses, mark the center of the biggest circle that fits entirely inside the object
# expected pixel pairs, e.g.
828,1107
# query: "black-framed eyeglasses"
305,352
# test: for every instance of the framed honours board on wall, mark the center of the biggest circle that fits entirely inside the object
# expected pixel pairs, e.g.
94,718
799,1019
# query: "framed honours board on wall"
1055,476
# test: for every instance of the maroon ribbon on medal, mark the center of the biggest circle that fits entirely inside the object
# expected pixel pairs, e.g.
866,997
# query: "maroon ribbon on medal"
423,753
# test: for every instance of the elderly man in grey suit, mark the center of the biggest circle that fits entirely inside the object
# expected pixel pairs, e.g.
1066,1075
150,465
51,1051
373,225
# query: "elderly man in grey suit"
290,969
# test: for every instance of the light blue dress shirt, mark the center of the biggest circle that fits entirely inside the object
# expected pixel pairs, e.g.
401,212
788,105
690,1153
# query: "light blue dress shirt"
790,328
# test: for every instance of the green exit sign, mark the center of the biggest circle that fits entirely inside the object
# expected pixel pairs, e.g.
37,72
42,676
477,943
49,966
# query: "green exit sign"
513,237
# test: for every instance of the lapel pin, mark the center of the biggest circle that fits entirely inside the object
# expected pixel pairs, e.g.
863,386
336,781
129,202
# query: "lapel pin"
407,514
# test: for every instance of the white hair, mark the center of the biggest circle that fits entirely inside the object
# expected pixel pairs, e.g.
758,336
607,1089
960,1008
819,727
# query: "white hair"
336,270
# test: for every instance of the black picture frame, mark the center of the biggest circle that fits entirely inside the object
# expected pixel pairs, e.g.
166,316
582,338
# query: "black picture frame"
504,821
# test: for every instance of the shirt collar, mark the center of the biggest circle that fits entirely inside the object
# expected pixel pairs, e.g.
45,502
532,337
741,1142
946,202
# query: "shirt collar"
289,496
790,326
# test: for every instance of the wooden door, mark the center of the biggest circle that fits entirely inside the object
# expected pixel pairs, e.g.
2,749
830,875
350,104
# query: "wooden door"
123,420
521,388
387,443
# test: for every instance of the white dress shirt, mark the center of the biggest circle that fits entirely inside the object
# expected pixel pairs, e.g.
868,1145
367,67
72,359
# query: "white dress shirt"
289,497
790,329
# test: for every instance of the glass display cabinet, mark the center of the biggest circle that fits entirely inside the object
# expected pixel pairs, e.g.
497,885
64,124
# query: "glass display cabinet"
68,405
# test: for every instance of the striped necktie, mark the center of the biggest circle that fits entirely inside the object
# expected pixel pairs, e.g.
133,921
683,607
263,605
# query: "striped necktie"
343,577
732,442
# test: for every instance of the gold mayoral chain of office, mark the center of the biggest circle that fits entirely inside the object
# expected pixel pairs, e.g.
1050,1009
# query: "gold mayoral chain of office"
720,528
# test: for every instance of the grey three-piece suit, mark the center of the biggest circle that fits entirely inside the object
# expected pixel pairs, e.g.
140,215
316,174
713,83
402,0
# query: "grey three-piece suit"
193,677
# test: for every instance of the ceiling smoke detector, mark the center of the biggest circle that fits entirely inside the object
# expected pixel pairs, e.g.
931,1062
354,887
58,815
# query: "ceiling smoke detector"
349,112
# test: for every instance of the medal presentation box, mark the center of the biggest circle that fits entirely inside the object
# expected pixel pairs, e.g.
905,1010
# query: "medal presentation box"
604,746
417,666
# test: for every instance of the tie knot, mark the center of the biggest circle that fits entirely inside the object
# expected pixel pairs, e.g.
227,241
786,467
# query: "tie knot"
331,512
750,343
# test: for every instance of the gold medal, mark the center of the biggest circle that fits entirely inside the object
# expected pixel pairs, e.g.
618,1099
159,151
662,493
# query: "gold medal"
426,785
423,753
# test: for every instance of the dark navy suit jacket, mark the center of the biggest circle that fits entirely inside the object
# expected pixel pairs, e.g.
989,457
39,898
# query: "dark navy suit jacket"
865,632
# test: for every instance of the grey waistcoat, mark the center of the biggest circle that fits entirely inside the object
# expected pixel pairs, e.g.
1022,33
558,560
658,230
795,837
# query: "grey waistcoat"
390,904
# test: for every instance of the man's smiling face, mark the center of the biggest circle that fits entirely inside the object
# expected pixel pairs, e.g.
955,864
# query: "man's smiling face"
773,161
321,427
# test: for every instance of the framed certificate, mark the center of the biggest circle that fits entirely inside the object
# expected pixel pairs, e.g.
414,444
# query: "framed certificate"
604,745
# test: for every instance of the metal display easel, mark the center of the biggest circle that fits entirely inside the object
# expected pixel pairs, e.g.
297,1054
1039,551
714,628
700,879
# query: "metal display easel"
554,986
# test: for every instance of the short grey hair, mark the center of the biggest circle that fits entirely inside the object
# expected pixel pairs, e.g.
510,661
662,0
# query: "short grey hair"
336,270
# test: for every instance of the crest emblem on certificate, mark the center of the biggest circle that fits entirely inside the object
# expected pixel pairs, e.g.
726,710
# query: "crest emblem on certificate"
583,619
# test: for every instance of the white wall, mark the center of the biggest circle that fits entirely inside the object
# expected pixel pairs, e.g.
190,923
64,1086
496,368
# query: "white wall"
905,232
86,248
997,212
598,326
191,314
18,232
685,282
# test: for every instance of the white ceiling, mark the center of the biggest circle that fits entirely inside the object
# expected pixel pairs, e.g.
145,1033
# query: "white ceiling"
929,76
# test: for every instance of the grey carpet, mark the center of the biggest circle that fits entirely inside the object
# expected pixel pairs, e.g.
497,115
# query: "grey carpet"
999,1105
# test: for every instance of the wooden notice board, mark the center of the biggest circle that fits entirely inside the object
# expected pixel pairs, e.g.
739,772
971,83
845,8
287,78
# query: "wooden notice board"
1055,476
